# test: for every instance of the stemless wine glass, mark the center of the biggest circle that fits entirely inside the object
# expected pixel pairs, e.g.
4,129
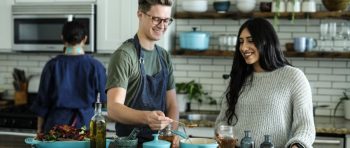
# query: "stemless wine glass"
225,137
323,33
344,33
333,31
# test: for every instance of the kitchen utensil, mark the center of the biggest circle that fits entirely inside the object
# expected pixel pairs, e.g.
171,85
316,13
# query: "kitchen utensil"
194,40
265,6
311,44
156,143
60,144
133,134
123,142
293,6
225,136
198,143
336,5
308,6
279,6
195,5
300,44
245,6
221,6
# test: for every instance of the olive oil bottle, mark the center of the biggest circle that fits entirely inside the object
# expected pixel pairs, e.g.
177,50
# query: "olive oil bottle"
98,127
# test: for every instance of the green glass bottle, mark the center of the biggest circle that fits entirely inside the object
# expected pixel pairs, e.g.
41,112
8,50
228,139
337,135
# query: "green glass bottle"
98,127
267,143
247,141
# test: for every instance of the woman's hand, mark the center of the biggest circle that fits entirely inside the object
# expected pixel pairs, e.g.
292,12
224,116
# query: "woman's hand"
175,143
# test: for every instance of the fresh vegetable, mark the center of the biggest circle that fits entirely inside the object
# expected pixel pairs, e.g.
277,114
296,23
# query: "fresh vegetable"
63,133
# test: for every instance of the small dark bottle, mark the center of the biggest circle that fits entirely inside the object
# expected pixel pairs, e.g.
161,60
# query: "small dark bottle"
247,141
267,143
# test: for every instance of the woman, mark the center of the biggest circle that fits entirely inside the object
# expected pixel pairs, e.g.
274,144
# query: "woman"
266,94
69,84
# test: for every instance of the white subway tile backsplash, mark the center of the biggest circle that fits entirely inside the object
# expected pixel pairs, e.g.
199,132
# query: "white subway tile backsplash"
17,57
211,81
341,71
310,70
341,85
213,28
200,74
8,63
321,98
312,77
329,91
201,22
178,73
321,84
199,61
3,57
297,62
332,64
28,63
293,29
187,67
332,78
212,68
226,22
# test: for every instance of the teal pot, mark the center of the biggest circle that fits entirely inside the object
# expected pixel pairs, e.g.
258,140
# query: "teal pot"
198,143
156,143
194,40
60,144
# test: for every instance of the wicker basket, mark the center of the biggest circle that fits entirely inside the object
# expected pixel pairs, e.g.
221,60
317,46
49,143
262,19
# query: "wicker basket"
336,5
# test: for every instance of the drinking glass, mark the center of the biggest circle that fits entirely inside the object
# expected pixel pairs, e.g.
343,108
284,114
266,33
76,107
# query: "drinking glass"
344,34
225,137
333,31
323,33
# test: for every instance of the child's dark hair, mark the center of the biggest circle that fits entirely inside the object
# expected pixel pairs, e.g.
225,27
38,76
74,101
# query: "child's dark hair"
73,32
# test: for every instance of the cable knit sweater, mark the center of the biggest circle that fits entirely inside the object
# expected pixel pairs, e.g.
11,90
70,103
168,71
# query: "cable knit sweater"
278,103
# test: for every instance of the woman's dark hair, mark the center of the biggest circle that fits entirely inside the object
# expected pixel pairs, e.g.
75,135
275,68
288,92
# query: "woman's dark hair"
271,58
145,5
73,32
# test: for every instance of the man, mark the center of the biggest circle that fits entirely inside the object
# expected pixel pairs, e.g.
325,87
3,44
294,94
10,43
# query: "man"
140,85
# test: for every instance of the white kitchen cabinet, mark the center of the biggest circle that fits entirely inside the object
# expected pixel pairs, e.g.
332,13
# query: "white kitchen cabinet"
5,26
116,22
58,1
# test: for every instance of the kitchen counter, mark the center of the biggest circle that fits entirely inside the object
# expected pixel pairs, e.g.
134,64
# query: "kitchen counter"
332,125
323,124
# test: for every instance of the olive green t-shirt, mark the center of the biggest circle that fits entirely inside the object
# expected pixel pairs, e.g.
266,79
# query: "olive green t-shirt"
124,68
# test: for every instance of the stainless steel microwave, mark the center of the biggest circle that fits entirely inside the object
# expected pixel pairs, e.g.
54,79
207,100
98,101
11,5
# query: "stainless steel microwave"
37,27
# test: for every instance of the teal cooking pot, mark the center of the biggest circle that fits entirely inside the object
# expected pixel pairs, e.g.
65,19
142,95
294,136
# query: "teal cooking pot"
194,40
156,143
198,143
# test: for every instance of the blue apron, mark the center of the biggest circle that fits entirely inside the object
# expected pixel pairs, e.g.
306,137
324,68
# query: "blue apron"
151,95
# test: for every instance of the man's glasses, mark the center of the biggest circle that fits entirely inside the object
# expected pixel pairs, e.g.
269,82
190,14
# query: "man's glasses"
158,20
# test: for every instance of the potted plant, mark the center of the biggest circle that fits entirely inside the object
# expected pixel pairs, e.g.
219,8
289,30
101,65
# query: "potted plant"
345,98
190,91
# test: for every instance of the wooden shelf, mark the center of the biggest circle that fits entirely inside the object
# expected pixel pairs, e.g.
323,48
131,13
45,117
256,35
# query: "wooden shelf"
285,15
219,53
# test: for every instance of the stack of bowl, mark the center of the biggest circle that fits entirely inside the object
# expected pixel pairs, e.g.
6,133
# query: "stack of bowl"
246,6
195,5
221,6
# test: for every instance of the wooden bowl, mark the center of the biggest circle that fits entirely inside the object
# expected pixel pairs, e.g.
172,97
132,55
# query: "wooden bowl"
336,5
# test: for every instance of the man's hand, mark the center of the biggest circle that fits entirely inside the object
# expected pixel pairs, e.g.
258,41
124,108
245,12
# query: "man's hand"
157,120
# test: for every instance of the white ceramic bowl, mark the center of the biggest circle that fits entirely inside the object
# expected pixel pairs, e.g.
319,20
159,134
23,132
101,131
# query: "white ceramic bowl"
245,6
195,5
